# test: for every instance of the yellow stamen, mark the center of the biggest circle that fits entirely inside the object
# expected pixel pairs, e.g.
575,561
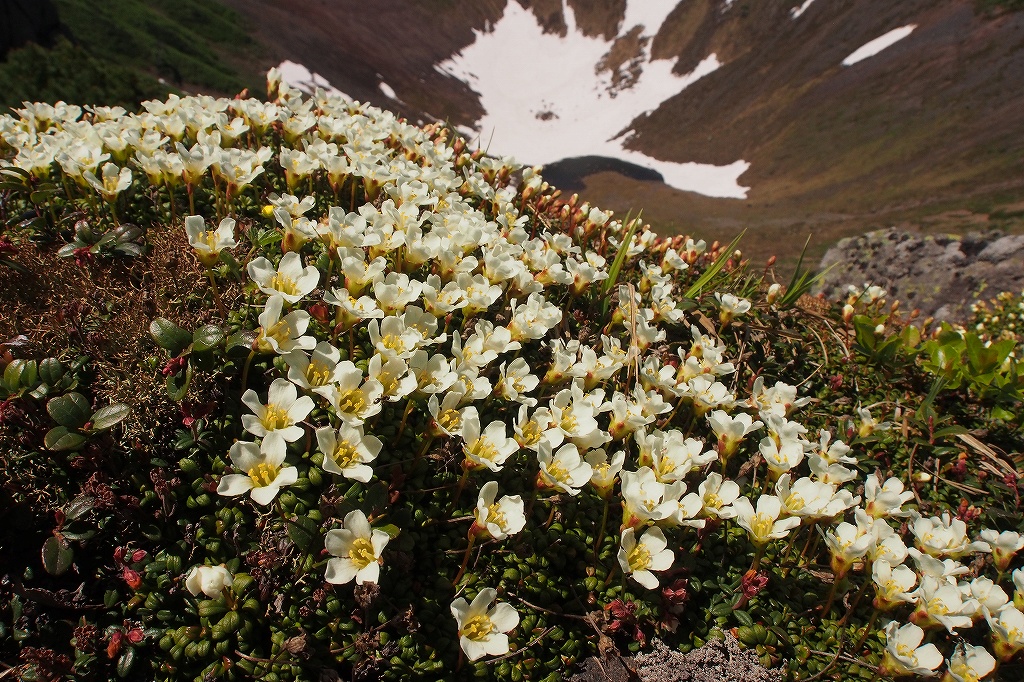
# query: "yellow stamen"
361,552
477,628
262,475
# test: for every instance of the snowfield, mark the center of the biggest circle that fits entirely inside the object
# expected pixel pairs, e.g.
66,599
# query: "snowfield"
547,99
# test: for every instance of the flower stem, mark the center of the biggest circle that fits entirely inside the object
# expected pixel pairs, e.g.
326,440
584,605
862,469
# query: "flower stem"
758,554
245,370
405,418
855,602
867,631
428,441
465,559
831,597
459,488
600,533
221,310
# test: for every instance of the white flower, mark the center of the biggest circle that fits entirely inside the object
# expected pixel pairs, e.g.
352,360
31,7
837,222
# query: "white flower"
1007,631
210,580
670,454
729,306
489,449
498,519
783,456
1004,545
348,451
282,413
893,585
393,375
638,559
516,381
264,476
317,373
731,430
606,470
392,338
764,524
282,335
987,593
940,604
533,319
290,280
804,497
111,182
353,399
885,499
565,470
847,543
944,537
209,243
718,496
646,500
482,629
970,663
356,548
351,309
904,654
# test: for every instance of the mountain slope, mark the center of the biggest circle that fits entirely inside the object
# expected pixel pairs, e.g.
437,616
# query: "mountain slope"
927,125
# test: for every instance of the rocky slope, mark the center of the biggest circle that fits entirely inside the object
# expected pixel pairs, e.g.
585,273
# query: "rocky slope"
941,275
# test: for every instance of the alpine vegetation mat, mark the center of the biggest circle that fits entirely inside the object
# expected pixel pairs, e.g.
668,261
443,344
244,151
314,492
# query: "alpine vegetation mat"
295,390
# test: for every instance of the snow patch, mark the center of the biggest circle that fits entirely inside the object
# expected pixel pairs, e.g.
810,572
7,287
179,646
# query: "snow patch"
546,100
797,11
650,14
878,44
298,76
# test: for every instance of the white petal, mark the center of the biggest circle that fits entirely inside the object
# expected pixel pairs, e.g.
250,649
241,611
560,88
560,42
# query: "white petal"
340,571
234,484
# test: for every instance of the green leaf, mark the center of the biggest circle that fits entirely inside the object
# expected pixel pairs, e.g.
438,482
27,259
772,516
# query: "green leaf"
714,268
124,664
230,622
391,529
169,335
78,531
304,532
51,371
233,267
57,555
241,340
79,507
130,249
208,608
743,617
207,338
59,439
18,374
1002,414
177,386
108,416
71,410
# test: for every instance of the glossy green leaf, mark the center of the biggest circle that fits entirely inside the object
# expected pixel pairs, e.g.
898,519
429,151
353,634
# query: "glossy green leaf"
59,439
57,555
169,335
108,416
72,410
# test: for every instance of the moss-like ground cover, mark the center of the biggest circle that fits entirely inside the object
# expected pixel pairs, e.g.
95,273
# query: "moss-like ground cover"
296,390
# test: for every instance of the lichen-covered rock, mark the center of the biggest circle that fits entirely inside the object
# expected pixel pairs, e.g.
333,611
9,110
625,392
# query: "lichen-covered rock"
941,275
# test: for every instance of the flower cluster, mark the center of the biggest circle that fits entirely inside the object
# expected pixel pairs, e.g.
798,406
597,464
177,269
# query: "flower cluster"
394,273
